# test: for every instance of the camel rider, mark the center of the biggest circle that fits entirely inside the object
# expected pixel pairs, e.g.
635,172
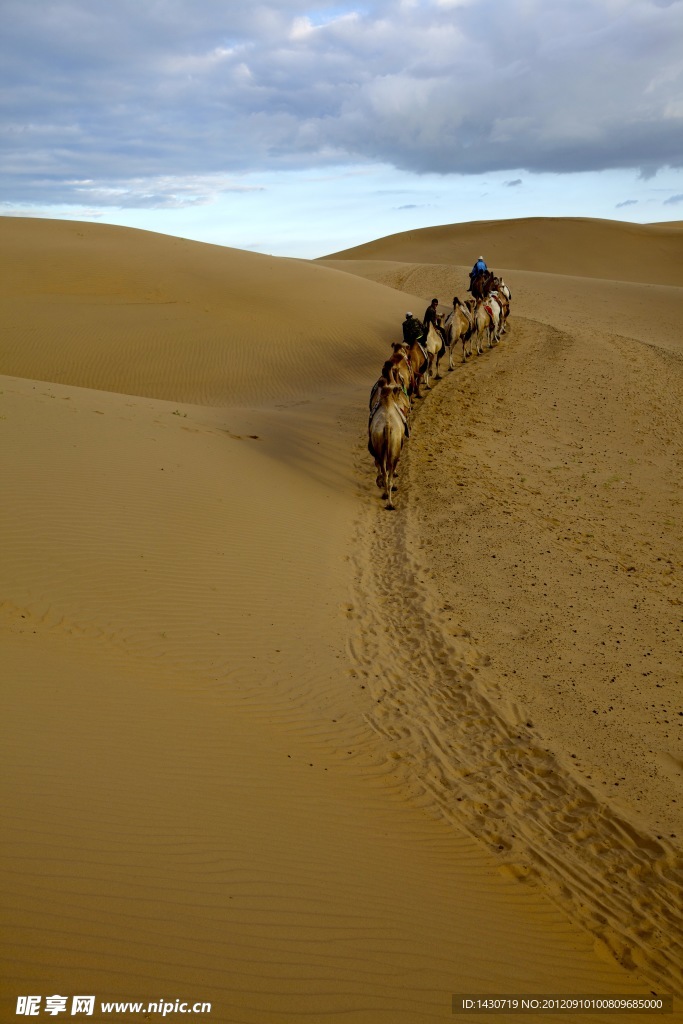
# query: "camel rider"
412,329
478,268
430,317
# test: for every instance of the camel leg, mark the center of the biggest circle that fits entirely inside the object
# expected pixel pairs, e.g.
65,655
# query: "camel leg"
379,480
437,359
389,479
391,476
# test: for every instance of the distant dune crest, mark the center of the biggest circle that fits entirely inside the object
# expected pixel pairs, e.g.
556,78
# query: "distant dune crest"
581,247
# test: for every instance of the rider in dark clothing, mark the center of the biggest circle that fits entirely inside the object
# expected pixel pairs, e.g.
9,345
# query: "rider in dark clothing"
430,314
412,329
430,318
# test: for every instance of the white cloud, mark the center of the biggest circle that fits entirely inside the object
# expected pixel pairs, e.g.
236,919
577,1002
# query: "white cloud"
301,28
198,64
164,192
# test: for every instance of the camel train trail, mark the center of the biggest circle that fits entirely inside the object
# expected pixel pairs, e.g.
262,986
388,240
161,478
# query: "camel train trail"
415,362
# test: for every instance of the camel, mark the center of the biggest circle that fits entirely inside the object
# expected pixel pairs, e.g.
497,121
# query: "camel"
387,431
501,293
435,346
418,361
500,286
459,326
504,309
403,400
397,370
481,285
487,322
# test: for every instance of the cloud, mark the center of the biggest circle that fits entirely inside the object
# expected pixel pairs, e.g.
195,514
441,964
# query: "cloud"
672,200
513,183
129,94
36,212
152,193
159,193
626,202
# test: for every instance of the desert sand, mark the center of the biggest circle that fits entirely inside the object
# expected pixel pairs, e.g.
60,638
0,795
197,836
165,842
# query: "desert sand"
269,746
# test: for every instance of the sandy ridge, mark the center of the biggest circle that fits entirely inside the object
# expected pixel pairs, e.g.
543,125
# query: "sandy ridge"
576,246
142,314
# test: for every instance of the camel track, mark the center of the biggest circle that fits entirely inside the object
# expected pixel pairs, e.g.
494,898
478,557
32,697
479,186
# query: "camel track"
456,738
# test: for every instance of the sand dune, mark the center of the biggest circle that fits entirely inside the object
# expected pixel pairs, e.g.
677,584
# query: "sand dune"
267,746
144,314
578,246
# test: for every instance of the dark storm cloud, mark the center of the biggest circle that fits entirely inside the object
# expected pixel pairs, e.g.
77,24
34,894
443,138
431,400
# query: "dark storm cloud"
124,92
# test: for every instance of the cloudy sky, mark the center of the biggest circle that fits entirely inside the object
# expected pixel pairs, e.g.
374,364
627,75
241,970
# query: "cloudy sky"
297,127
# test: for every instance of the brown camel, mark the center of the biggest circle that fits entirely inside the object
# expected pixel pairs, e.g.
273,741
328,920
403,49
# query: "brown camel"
488,317
394,377
418,359
397,370
435,346
481,285
459,327
386,434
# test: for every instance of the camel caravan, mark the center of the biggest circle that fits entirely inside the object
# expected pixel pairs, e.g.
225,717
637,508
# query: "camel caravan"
415,361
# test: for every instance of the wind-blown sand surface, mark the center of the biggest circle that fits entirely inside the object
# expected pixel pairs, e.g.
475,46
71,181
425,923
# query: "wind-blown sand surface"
272,747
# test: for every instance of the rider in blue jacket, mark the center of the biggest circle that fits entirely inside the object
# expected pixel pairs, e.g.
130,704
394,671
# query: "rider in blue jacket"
478,269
